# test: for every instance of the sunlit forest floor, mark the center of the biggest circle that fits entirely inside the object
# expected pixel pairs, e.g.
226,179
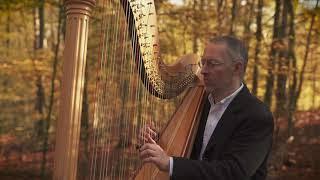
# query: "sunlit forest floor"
298,157
294,158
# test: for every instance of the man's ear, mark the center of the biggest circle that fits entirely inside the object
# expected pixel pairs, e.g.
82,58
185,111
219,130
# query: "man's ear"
238,67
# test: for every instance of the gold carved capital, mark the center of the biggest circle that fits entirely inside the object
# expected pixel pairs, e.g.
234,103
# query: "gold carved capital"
79,6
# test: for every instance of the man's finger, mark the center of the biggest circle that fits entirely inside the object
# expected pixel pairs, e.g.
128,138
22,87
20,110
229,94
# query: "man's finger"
146,139
149,160
151,131
150,140
148,153
151,125
148,146
143,138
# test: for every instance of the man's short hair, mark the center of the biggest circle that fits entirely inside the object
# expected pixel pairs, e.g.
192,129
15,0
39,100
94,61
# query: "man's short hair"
236,48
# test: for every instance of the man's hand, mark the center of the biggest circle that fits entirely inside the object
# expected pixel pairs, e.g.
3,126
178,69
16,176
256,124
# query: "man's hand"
151,152
144,132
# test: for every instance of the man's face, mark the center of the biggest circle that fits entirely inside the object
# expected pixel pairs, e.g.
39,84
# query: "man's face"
217,68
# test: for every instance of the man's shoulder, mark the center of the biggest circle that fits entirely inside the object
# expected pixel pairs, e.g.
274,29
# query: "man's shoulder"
249,106
258,104
255,107
255,115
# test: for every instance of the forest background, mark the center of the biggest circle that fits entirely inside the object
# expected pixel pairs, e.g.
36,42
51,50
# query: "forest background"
283,37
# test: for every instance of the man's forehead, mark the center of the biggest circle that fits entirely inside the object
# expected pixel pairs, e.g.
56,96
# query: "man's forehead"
214,49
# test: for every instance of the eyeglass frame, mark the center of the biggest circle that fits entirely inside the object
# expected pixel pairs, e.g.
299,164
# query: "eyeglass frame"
211,64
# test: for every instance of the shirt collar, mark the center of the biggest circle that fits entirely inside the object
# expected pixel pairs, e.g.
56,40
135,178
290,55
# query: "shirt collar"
227,99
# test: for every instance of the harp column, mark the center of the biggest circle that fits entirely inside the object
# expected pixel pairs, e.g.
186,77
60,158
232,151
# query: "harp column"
74,60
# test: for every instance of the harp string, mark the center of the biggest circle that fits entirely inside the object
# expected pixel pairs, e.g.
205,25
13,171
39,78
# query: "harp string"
101,153
117,168
144,96
117,69
101,109
145,121
97,98
126,84
132,150
151,120
101,148
137,94
99,88
104,158
124,95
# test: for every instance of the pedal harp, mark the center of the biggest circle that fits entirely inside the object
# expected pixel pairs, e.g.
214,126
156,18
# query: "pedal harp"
132,82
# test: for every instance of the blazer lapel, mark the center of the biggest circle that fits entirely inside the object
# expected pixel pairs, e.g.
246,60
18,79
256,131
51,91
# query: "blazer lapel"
229,119
204,118
199,137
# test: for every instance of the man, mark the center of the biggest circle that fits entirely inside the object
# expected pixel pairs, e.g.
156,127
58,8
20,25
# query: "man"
234,136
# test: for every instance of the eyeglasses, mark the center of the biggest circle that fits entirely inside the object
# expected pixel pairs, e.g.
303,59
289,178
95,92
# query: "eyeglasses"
209,63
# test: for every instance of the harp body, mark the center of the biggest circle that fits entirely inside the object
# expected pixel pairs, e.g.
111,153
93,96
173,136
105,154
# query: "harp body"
178,137
161,80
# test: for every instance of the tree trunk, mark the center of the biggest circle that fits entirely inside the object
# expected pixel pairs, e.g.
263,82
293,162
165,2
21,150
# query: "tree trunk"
257,49
40,90
293,67
314,87
301,75
35,34
47,123
38,44
8,32
273,55
41,23
282,66
233,16
247,23
195,28
296,87
219,16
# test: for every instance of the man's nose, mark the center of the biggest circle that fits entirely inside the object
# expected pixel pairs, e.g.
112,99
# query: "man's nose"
204,69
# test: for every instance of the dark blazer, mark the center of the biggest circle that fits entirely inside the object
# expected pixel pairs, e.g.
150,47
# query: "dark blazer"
238,148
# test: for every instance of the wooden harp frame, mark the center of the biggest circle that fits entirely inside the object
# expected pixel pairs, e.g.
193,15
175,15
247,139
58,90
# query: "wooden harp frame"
177,137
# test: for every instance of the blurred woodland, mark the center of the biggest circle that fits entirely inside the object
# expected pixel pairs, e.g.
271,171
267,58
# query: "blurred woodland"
283,37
